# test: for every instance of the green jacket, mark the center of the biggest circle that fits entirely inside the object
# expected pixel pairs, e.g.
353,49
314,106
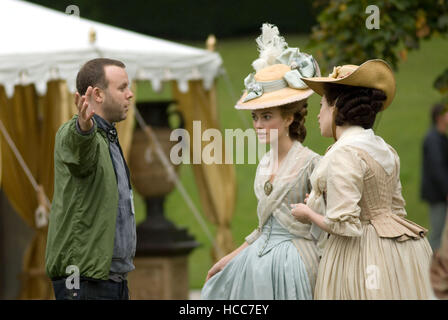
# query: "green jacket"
85,203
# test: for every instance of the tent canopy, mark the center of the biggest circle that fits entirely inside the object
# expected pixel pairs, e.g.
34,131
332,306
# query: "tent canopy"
45,44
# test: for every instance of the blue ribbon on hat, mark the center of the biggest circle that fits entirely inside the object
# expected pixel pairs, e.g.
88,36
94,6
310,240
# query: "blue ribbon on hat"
254,88
302,66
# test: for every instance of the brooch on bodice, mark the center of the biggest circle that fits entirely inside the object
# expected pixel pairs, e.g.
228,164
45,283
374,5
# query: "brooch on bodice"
268,188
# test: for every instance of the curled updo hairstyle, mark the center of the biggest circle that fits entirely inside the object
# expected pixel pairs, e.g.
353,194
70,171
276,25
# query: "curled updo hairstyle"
298,110
355,105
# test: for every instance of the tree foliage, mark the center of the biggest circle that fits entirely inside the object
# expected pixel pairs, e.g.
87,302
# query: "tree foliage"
343,38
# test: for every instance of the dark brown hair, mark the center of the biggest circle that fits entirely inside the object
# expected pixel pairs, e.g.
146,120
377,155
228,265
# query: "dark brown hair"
355,105
92,74
437,110
298,110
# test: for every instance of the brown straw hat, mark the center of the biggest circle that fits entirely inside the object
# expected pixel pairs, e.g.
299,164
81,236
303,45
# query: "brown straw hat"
374,73
279,69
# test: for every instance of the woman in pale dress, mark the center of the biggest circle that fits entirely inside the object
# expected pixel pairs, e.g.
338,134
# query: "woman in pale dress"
372,251
279,259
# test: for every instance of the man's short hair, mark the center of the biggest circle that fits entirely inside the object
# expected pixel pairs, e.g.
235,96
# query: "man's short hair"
92,74
437,110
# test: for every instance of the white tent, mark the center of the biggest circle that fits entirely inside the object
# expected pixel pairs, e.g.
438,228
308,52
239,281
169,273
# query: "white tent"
40,44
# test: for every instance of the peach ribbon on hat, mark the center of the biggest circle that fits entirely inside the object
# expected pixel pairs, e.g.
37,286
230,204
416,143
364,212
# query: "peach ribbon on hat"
341,72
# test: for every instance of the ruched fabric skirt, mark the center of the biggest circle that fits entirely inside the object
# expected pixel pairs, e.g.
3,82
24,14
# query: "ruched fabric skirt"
370,267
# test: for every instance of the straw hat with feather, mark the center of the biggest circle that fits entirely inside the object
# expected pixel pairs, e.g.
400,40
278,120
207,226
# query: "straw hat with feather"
279,69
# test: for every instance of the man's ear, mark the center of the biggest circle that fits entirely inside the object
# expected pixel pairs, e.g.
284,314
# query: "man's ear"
97,95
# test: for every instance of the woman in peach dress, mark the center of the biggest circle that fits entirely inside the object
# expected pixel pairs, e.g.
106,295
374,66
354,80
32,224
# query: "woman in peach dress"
371,250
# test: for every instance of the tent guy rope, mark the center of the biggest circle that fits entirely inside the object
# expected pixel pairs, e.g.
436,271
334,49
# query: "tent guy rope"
173,177
44,202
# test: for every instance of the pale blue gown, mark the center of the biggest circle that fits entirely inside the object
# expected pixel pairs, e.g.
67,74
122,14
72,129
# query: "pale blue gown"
278,264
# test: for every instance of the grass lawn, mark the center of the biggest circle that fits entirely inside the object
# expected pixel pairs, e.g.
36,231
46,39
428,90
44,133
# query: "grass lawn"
403,125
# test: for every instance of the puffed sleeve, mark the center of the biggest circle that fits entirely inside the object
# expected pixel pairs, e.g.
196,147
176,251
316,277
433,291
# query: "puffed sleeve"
344,191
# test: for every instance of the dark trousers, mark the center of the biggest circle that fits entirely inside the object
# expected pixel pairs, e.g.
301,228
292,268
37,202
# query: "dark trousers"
437,216
91,290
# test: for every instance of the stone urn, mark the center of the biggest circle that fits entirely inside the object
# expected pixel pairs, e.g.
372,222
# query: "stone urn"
162,248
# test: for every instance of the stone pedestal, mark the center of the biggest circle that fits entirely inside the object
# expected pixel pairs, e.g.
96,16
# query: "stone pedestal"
159,278
161,262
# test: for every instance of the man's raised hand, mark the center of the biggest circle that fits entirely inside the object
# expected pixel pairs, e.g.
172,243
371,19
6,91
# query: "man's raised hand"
85,112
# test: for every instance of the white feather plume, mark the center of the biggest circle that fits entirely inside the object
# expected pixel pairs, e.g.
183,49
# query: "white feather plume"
270,44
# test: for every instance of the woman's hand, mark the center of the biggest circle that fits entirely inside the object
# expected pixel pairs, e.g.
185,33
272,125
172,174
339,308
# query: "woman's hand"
301,212
305,201
218,266
306,215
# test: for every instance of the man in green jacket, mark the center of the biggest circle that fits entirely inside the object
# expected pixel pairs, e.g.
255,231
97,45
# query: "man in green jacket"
92,237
